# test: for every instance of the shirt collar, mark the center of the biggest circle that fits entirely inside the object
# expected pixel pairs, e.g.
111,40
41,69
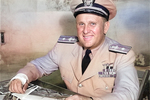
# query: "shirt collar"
93,51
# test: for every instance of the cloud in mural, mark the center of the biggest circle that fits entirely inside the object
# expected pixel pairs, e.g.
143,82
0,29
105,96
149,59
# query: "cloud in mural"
136,15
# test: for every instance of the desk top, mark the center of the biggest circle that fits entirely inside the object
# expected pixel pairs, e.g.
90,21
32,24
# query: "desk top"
35,92
142,68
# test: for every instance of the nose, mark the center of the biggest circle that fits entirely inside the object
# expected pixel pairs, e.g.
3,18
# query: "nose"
86,29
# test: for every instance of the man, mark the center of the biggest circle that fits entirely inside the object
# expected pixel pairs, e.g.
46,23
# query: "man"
110,72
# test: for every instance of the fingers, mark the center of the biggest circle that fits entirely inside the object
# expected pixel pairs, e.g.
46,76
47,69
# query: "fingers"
25,87
16,86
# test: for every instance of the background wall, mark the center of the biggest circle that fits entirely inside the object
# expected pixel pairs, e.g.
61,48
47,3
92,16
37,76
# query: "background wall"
32,27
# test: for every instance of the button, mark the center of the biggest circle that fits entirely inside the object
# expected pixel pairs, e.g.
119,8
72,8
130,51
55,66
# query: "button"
106,87
80,85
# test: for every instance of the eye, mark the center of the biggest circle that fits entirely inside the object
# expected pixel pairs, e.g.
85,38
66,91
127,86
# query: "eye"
93,24
81,24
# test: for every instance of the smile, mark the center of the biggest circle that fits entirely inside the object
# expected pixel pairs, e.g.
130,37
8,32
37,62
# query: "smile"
87,38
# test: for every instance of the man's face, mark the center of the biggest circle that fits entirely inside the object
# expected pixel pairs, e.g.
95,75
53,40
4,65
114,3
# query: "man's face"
90,30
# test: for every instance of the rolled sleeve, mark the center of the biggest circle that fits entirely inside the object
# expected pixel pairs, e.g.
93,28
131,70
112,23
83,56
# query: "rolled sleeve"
48,63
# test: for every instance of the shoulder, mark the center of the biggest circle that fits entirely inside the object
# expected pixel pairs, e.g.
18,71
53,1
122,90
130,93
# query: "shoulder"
66,43
117,47
125,54
67,39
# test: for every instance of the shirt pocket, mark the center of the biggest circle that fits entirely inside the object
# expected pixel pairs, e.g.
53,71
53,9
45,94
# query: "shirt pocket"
105,84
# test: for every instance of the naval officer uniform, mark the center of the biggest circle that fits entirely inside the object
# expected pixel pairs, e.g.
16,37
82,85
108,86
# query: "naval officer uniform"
109,76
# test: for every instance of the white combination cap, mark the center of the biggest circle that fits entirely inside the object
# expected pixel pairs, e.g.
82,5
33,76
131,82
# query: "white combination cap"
104,8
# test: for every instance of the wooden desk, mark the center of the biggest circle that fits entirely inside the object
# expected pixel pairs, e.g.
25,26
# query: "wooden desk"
142,68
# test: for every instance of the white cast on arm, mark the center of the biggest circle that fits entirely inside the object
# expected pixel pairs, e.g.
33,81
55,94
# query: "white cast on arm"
22,77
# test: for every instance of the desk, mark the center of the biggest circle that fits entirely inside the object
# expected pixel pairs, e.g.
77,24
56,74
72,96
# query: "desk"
142,68
35,91
144,80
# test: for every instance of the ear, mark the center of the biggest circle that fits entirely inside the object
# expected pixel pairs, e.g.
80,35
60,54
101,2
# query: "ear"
106,27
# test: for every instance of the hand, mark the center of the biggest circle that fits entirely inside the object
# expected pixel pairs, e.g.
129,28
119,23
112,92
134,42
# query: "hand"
17,87
78,97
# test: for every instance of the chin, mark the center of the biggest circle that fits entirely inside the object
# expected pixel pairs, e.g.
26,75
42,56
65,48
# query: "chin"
87,46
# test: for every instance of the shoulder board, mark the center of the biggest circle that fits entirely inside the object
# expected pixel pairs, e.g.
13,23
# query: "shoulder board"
68,39
119,48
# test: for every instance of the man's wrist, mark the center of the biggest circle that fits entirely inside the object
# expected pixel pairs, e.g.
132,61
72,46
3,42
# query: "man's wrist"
22,77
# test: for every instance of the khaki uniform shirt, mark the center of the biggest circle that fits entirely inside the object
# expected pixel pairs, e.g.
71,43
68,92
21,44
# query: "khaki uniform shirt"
109,76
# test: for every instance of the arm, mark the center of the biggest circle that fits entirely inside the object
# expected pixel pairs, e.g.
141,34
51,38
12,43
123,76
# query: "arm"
34,70
41,66
126,85
126,82
19,83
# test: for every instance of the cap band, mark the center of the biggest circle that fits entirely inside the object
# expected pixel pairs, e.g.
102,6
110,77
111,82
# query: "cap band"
94,9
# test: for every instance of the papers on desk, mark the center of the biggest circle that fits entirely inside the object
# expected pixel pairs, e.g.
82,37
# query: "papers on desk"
1,97
34,92
28,96
31,97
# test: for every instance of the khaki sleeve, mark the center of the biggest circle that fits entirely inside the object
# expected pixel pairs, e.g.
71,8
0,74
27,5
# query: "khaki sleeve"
31,71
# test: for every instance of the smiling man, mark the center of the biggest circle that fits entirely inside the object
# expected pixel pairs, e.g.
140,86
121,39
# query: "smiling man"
91,64
91,30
